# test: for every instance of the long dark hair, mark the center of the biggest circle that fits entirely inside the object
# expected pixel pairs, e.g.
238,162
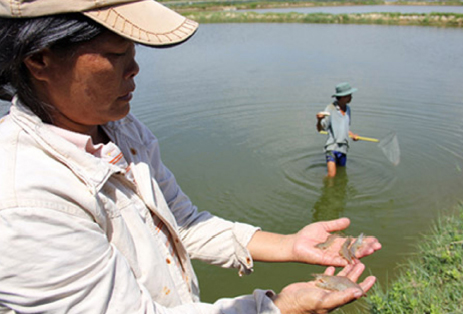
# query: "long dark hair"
21,38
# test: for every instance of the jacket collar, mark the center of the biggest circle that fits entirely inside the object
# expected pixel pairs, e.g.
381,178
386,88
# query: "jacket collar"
91,170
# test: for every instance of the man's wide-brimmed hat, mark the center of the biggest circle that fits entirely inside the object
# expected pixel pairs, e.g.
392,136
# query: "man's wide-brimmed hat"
143,21
344,89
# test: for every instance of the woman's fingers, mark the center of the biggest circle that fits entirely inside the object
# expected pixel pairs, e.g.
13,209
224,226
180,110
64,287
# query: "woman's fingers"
330,271
352,271
336,224
355,271
368,283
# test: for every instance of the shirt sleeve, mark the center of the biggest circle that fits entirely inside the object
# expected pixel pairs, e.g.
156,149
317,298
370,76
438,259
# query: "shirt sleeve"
349,115
206,237
53,262
326,121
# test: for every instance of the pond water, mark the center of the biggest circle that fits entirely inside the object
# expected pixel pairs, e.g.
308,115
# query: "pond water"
234,110
367,9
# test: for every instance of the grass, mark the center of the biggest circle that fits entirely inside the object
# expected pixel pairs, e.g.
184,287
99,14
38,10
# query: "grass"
431,281
425,19
226,11
214,5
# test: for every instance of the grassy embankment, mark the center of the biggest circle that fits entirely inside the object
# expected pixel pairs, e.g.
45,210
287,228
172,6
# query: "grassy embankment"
432,280
227,5
431,19
226,12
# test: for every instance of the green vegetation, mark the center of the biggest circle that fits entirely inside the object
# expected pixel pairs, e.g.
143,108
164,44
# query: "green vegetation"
211,5
432,280
431,19
217,5
233,5
226,11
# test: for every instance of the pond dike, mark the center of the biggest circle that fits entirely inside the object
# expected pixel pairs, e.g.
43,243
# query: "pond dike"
382,18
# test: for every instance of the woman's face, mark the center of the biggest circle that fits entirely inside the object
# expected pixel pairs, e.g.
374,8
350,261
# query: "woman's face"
93,86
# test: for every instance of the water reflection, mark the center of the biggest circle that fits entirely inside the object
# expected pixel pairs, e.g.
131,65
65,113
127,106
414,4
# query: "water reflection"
333,199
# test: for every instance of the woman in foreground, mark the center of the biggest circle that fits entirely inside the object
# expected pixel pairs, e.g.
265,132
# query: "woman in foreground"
90,218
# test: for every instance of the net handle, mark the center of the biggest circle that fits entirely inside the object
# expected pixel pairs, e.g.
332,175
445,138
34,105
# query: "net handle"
361,138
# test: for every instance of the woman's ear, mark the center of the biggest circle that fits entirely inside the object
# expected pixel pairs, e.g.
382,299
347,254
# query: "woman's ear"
39,65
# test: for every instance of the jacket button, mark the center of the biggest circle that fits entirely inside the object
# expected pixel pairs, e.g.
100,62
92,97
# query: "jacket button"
133,151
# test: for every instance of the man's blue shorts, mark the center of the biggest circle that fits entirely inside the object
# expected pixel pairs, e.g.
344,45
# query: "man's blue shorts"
339,158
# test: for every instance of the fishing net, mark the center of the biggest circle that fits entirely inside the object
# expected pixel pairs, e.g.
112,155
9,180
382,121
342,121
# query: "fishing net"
390,147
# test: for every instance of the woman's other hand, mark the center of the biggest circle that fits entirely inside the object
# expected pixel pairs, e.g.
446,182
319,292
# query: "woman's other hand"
307,297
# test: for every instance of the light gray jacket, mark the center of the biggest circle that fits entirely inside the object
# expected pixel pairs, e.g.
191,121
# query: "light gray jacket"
337,125
77,236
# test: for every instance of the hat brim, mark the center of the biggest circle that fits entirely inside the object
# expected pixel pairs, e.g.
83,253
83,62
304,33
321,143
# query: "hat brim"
347,92
146,22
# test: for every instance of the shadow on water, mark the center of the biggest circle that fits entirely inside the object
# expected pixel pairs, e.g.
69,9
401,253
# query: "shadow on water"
333,198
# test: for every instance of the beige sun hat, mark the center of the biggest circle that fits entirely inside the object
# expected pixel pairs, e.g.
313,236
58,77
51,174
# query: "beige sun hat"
144,21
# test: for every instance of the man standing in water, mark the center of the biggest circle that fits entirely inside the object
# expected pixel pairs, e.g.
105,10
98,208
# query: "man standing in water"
336,121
